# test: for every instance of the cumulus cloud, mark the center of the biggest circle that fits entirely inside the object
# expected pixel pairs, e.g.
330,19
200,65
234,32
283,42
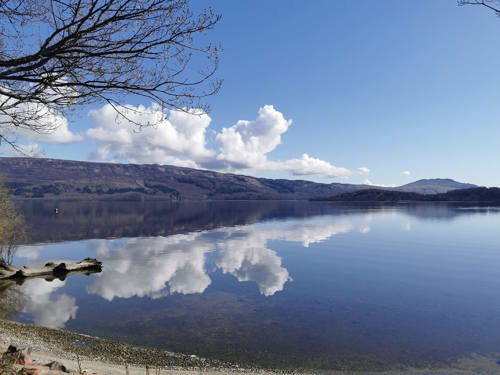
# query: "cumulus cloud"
405,173
60,134
363,170
35,123
180,138
245,144
52,126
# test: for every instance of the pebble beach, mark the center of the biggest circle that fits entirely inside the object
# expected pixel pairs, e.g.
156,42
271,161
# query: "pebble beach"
82,354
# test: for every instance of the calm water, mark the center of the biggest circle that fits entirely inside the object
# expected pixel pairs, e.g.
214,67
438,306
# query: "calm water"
303,284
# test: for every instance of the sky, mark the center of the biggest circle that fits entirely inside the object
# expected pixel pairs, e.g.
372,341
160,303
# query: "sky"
383,92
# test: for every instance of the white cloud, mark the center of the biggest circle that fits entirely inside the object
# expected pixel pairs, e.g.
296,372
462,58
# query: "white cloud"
368,182
179,138
32,149
307,165
405,173
52,125
36,123
363,170
61,133
245,144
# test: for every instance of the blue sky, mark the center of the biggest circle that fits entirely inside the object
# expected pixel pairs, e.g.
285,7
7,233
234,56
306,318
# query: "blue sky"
388,85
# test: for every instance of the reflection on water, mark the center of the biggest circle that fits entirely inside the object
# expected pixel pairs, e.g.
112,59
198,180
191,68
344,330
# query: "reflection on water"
36,298
11,301
146,219
44,306
156,267
280,283
80,221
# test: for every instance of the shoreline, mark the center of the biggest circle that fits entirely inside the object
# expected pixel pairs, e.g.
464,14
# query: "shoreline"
94,355
104,356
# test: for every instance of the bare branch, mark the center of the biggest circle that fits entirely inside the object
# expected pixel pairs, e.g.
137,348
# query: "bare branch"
485,3
56,54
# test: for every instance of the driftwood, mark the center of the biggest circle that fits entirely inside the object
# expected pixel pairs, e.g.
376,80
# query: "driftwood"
50,270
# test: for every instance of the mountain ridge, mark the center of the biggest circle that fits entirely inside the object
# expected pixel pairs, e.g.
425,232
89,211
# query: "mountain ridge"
29,178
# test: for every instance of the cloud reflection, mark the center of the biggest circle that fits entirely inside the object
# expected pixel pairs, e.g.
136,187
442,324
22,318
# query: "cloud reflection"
46,309
29,252
245,256
144,266
156,267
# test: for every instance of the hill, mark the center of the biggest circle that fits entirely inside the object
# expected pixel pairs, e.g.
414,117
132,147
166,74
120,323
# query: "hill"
434,186
376,195
29,178
473,195
51,178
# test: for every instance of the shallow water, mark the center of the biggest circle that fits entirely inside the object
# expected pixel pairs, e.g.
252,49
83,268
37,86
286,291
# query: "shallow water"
292,284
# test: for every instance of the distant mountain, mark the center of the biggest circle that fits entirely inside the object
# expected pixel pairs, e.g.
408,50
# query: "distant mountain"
29,178
475,195
434,186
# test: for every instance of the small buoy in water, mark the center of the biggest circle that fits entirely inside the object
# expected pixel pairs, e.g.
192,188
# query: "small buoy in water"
56,210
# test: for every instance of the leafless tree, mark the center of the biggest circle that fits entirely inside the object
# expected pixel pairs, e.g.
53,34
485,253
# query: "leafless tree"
493,5
11,226
57,54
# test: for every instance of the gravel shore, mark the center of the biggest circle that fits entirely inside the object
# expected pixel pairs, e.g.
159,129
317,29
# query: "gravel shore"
92,355
105,356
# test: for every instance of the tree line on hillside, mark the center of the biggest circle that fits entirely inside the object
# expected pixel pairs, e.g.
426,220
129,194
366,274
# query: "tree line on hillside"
479,194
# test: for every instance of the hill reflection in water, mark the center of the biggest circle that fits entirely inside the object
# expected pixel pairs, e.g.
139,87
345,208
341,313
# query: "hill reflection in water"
87,220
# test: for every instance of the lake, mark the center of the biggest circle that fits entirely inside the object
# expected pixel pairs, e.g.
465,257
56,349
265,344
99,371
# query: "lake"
281,284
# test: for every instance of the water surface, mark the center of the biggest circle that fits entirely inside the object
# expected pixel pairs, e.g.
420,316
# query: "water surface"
312,285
